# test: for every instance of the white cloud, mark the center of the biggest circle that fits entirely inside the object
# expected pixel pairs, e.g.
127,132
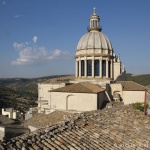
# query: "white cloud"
18,16
30,53
4,2
34,39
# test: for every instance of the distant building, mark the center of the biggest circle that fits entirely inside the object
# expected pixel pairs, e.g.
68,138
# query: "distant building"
29,114
10,113
9,129
97,70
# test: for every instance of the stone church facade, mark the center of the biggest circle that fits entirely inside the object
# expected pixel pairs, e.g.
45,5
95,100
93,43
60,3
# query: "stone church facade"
97,75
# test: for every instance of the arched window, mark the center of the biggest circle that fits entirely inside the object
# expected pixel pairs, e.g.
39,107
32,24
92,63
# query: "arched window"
96,23
89,67
93,23
96,67
82,67
104,68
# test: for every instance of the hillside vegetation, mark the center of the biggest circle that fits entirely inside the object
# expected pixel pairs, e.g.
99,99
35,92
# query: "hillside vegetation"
11,98
21,93
141,79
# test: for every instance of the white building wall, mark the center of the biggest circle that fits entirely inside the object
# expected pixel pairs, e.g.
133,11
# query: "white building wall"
130,97
117,87
10,112
5,113
117,69
44,94
32,129
14,115
2,133
73,101
28,115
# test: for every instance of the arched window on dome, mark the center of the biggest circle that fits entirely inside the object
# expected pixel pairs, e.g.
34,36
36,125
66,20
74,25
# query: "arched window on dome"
96,67
89,67
82,67
103,68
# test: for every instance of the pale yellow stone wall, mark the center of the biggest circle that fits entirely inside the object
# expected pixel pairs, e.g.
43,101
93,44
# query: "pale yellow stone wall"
44,94
117,87
73,101
117,68
130,97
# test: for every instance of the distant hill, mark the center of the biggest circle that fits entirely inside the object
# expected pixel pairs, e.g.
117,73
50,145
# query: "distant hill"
11,98
27,88
143,79
21,92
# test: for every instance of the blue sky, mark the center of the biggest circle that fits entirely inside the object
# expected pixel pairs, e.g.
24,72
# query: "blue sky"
39,37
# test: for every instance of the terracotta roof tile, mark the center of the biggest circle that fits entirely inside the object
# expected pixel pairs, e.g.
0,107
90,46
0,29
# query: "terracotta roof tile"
47,119
116,128
131,86
83,87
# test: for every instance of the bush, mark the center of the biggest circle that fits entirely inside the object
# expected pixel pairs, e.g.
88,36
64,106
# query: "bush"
139,106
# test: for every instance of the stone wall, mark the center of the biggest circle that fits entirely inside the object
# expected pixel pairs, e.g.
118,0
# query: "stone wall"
73,101
44,94
130,97
2,133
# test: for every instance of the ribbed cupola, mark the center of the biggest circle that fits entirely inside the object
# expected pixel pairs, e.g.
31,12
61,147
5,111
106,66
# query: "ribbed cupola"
94,22
94,54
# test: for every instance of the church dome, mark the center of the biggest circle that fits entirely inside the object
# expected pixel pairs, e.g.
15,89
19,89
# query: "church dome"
95,57
96,40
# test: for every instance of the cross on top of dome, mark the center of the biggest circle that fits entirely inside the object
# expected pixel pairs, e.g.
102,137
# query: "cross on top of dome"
94,12
94,22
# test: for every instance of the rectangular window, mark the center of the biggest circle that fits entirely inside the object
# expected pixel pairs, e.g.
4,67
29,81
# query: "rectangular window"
109,69
82,67
104,68
96,67
78,69
89,67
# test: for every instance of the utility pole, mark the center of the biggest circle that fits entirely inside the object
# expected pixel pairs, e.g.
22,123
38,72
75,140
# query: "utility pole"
145,109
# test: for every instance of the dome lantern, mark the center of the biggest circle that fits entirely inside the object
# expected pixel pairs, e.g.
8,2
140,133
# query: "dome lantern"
94,22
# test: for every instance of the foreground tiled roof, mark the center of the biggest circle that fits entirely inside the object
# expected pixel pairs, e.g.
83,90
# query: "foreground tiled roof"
109,129
50,119
83,87
131,86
